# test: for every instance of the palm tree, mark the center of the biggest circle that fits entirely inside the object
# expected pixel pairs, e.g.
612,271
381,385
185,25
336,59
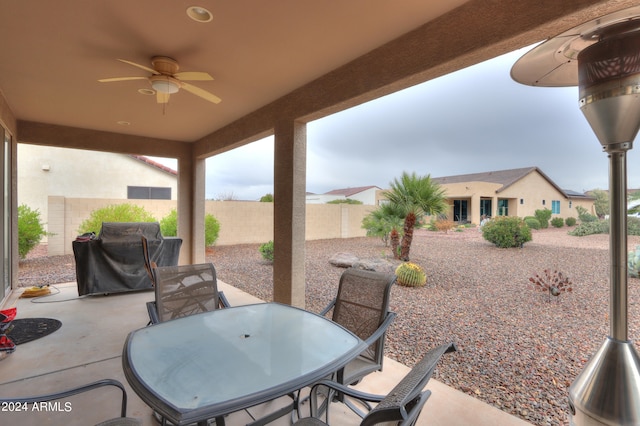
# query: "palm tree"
415,196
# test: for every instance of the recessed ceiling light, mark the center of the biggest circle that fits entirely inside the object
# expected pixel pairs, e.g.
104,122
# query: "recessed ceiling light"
123,123
199,14
147,92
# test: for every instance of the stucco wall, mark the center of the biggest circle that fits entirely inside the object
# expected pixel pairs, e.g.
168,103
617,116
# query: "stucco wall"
75,173
241,222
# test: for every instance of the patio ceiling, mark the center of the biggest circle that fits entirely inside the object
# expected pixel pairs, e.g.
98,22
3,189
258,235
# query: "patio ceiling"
311,58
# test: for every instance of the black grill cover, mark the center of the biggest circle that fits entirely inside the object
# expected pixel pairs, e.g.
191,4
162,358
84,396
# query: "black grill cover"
114,262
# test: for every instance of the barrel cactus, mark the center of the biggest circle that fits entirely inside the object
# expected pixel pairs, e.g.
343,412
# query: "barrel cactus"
633,263
411,275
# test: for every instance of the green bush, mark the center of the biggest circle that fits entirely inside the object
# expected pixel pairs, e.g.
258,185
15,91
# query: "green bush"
169,224
633,226
557,222
211,229
506,231
543,217
532,222
169,227
115,213
266,250
585,216
30,230
570,221
590,228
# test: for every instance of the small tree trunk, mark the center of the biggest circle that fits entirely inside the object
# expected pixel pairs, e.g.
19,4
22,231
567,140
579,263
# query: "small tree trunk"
395,242
407,238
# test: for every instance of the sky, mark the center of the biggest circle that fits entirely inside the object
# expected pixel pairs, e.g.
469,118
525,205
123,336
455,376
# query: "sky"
475,120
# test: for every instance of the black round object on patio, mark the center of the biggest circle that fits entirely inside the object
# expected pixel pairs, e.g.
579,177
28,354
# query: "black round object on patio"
27,329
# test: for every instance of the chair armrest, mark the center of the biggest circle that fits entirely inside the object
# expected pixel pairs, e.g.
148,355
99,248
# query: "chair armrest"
152,309
74,391
349,391
224,302
382,328
327,308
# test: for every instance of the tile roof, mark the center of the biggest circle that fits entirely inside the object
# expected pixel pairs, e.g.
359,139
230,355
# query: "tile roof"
350,191
155,164
506,178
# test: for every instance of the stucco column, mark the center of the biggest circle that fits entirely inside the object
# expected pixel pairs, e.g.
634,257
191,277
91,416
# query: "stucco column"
475,208
191,193
290,163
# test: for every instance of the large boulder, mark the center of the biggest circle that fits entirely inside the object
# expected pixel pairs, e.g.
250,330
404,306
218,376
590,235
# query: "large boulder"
378,265
343,260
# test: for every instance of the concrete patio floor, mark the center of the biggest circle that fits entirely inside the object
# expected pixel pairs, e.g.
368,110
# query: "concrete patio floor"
88,347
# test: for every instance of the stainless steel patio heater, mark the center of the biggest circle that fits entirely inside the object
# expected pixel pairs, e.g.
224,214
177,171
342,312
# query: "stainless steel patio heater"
603,57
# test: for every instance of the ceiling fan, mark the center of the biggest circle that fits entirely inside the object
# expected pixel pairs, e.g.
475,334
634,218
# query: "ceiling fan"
165,79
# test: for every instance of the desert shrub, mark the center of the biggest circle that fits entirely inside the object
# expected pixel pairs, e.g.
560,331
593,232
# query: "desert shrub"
211,229
633,226
506,231
266,250
169,224
169,227
114,213
590,228
345,201
543,217
532,222
585,216
444,225
570,221
30,229
557,222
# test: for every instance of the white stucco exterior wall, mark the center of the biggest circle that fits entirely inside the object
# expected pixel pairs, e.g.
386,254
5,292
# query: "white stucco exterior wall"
45,171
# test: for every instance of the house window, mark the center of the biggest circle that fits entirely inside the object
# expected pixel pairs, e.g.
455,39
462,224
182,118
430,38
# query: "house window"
485,207
570,204
544,202
148,193
521,200
503,207
555,207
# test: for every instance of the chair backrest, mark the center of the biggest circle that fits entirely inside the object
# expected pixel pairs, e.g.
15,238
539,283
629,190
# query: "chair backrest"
362,303
406,400
185,290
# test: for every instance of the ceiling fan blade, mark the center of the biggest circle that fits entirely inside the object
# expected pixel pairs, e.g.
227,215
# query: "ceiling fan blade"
162,98
142,67
193,76
108,80
201,92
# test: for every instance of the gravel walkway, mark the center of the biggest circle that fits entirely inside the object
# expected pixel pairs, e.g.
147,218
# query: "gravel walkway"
517,350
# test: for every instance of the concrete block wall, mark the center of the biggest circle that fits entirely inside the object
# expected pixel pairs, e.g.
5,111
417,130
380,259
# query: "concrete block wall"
241,222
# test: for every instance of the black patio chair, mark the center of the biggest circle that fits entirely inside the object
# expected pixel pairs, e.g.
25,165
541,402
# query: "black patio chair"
184,290
362,306
401,406
123,420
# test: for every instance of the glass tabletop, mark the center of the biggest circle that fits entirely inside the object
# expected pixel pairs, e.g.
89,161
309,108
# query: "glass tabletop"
228,359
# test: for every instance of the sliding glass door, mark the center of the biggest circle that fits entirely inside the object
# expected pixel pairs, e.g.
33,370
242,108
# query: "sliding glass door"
6,214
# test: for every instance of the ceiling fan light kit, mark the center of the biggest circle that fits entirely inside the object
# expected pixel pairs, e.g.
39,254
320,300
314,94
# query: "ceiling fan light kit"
164,84
166,80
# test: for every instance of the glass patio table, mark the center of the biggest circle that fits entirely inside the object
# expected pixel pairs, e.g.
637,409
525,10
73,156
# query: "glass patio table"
208,365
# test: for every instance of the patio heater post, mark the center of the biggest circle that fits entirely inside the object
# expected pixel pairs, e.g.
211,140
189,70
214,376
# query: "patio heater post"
607,53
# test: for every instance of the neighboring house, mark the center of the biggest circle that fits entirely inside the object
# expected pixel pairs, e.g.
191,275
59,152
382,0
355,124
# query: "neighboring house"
515,192
45,171
365,194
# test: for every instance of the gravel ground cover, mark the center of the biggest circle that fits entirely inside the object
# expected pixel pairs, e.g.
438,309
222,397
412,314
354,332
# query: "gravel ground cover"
518,350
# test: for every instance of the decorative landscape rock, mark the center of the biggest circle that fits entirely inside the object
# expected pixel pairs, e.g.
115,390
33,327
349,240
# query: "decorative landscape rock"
343,260
377,265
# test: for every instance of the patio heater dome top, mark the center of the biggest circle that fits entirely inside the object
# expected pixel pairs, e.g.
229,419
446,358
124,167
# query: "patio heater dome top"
554,63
